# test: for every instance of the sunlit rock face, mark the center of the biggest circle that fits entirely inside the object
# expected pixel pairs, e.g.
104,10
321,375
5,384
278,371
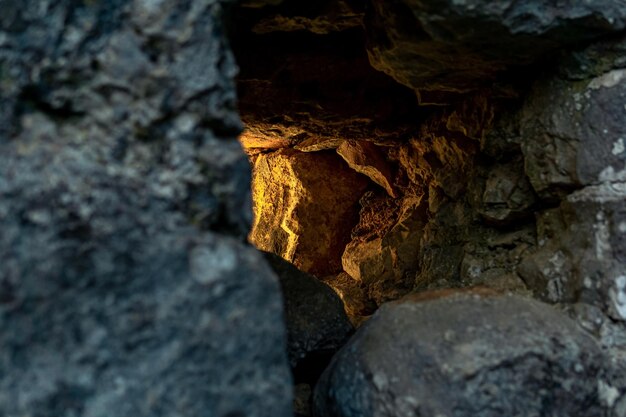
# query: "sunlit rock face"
301,215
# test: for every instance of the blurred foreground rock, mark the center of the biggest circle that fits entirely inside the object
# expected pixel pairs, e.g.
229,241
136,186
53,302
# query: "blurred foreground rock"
125,289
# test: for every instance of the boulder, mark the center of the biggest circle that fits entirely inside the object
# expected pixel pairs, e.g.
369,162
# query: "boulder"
464,354
384,250
302,213
174,325
317,324
125,288
573,125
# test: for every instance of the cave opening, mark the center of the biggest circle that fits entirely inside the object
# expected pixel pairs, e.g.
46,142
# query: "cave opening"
376,188
326,135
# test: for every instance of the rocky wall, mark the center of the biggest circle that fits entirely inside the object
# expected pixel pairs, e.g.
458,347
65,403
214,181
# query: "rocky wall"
126,288
464,160
508,173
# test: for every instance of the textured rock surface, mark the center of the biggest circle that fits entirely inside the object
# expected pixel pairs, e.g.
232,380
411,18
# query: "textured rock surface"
117,136
446,46
574,131
573,135
300,215
465,355
177,325
316,321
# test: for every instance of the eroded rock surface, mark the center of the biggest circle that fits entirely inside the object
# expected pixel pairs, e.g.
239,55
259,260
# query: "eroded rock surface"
301,215
465,354
443,47
118,296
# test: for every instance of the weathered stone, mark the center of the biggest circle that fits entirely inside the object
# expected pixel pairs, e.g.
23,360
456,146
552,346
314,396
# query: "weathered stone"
492,257
508,195
315,91
302,215
316,320
581,254
354,295
439,46
119,165
574,133
317,17
464,355
176,323
369,160
384,259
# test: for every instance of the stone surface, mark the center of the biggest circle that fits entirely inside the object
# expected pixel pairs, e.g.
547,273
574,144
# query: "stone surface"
508,195
369,160
316,321
573,129
449,46
581,251
301,215
383,258
465,355
180,324
121,293
354,296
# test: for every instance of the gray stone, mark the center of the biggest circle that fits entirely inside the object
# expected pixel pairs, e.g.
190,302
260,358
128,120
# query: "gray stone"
183,325
464,355
316,321
508,195
574,129
581,251
119,165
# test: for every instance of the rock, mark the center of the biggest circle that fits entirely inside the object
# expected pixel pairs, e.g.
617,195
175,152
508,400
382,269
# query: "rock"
302,403
356,301
464,355
581,254
301,215
179,324
453,47
508,195
369,160
383,256
317,324
125,289
320,18
574,130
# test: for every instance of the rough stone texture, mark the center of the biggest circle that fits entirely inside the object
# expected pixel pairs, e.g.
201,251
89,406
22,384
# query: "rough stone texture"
508,195
574,132
383,257
465,355
449,46
369,160
581,251
117,136
316,321
313,92
516,183
302,216
177,325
